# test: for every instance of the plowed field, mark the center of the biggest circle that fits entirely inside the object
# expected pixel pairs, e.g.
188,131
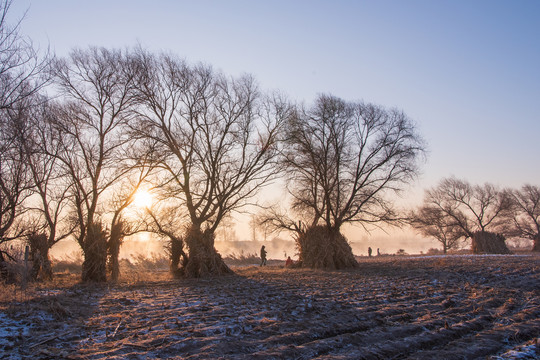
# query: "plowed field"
454,307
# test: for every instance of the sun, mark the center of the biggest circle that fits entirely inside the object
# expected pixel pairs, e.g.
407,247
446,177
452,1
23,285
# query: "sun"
143,199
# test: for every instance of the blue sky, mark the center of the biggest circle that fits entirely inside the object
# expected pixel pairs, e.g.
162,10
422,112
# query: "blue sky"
468,71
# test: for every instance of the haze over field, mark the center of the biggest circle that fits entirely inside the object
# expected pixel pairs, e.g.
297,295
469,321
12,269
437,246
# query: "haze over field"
467,73
277,249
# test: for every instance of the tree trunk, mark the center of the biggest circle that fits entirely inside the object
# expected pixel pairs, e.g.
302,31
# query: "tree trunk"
321,248
114,264
536,243
203,259
485,242
177,254
39,253
6,274
36,242
94,267
113,247
46,266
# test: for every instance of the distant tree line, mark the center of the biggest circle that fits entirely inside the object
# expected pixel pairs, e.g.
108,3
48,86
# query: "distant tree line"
456,210
81,135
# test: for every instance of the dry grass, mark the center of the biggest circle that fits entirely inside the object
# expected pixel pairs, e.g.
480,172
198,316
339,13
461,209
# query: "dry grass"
242,258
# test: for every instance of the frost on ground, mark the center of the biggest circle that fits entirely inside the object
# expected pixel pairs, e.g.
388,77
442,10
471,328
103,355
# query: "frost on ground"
421,308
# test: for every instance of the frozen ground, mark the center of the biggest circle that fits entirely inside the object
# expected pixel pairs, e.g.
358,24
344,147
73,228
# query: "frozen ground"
391,308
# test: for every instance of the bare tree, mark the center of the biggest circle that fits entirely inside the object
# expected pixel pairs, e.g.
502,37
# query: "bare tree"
21,70
524,217
96,87
124,195
477,211
434,223
275,219
216,139
262,227
226,230
344,159
15,182
253,227
41,146
166,220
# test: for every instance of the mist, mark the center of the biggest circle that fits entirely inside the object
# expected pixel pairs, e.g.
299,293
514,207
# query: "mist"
278,248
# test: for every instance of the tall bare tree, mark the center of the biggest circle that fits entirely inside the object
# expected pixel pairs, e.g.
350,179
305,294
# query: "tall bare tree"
41,145
216,143
524,217
478,211
96,91
21,70
344,159
15,182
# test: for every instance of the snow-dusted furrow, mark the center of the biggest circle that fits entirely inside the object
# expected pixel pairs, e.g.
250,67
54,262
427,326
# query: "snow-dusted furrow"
418,308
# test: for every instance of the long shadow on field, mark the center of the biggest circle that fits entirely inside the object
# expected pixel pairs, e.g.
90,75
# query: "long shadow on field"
50,324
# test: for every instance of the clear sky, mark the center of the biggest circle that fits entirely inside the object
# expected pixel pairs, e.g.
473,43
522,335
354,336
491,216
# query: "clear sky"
468,71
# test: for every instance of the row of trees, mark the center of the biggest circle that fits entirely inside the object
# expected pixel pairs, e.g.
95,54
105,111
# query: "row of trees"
82,135
119,119
72,162
455,210
205,142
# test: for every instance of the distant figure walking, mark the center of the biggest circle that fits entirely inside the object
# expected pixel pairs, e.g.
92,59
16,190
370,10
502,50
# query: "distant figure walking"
369,251
288,262
378,253
263,256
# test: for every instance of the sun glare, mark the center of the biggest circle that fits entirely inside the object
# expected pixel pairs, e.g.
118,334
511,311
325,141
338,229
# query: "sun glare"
143,199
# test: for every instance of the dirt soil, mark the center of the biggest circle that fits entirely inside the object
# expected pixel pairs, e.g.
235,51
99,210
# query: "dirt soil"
454,307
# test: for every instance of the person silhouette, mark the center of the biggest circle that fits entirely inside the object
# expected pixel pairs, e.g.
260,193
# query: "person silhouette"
263,256
288,262
369,251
